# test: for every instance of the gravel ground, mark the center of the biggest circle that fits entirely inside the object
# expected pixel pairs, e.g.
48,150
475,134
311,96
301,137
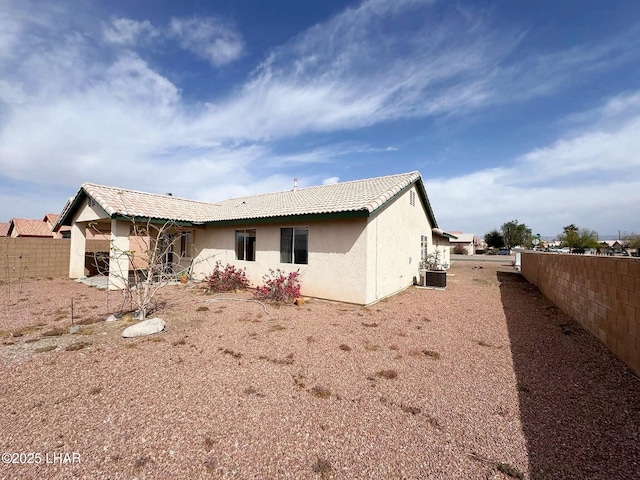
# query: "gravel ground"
483,380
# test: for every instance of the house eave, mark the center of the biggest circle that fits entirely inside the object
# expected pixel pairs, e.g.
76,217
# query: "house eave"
308,217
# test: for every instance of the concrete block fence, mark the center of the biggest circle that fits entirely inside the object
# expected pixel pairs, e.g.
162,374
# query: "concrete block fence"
601,293
39,257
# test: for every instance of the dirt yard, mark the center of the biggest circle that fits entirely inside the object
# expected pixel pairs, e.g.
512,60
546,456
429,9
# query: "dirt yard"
483,380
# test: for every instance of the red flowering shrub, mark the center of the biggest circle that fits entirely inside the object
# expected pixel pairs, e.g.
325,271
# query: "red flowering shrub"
227,279
279,286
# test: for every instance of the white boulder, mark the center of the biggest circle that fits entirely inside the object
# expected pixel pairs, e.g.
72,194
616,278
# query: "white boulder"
146,327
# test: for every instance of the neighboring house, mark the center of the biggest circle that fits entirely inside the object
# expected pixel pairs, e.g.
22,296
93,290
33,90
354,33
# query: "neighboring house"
355,242
50,219
442,241
611,247
4,229
27,227
466,241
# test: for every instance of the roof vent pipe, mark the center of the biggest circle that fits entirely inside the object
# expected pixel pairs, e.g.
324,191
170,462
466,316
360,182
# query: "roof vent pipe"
295,184
169,194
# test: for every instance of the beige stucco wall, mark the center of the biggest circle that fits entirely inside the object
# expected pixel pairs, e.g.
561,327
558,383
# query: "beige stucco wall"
358,261
394,246
337,256
88,213
469,248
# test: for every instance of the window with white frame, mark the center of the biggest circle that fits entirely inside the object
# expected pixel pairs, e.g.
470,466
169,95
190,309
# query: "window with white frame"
246,244
294,245
424,247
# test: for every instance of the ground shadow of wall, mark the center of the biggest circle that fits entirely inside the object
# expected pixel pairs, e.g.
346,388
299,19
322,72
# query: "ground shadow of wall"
579,405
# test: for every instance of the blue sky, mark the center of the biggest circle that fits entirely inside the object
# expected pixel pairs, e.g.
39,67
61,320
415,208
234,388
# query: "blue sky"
510,110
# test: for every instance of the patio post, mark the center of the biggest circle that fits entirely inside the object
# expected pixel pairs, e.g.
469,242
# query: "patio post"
118,258
78,250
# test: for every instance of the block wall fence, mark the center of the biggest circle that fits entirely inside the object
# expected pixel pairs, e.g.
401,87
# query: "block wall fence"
601,293
24,257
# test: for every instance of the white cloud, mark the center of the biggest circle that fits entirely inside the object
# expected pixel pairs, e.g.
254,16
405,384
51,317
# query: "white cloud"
208,38
127,32
590,178
75,111
454,61
330,180
11,93
330,76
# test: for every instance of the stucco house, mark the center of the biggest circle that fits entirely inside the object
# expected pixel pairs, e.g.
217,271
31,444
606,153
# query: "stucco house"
357,241
464,241
28,227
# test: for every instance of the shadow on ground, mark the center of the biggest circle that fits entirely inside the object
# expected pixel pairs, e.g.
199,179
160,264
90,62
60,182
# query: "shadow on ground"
579,405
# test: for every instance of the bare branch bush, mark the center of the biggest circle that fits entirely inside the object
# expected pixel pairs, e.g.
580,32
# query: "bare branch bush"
154,260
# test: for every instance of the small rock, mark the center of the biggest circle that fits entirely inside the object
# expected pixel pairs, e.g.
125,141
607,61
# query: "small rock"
146,327
111,318
74,329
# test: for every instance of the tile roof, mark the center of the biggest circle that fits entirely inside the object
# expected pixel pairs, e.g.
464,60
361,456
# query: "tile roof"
464,237
4,229
132,203
51,218
359,195
364,196
26,227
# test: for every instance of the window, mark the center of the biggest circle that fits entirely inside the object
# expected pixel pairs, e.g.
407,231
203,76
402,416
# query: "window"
294,246
186,244
246,244
424,246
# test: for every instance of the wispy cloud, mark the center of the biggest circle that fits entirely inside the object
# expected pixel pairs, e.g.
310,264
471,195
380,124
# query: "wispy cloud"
331,76
350,73
209,38
80,101
330,180
590,178
127,32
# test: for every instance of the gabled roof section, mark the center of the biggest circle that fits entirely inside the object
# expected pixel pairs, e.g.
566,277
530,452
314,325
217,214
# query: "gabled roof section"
463,237
4,229
359,197
26,227
121,202
51,218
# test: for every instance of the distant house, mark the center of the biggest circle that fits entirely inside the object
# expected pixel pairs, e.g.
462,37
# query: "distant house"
4,229
611,247
465,242
27,227
355,242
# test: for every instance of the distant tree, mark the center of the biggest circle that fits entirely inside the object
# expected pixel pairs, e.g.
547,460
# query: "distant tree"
460,250
515,234
578,238
570,237
494,239
631,240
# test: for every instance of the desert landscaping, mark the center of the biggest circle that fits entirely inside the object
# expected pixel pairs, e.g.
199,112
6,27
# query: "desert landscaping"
483,380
